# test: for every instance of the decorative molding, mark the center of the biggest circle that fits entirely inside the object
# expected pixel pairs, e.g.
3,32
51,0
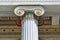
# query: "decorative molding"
29,3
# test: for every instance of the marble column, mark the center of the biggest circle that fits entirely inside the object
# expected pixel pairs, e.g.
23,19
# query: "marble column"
29,27
29,21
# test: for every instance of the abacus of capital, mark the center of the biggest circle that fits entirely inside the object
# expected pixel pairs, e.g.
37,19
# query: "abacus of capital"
29,21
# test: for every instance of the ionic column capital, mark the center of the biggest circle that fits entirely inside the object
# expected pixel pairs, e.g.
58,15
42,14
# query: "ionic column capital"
20,11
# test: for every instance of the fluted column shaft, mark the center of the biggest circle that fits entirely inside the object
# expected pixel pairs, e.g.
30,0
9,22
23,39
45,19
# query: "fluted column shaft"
29,27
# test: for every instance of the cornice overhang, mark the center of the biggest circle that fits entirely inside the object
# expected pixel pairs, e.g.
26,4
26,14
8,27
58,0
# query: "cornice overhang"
30,3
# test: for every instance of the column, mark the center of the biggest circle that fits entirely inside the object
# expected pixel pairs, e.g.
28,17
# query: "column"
29,21
29,27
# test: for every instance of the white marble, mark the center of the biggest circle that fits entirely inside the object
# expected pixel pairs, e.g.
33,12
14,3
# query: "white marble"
30,0
29,28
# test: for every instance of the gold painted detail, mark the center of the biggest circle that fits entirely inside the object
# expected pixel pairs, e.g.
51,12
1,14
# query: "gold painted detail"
10,27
